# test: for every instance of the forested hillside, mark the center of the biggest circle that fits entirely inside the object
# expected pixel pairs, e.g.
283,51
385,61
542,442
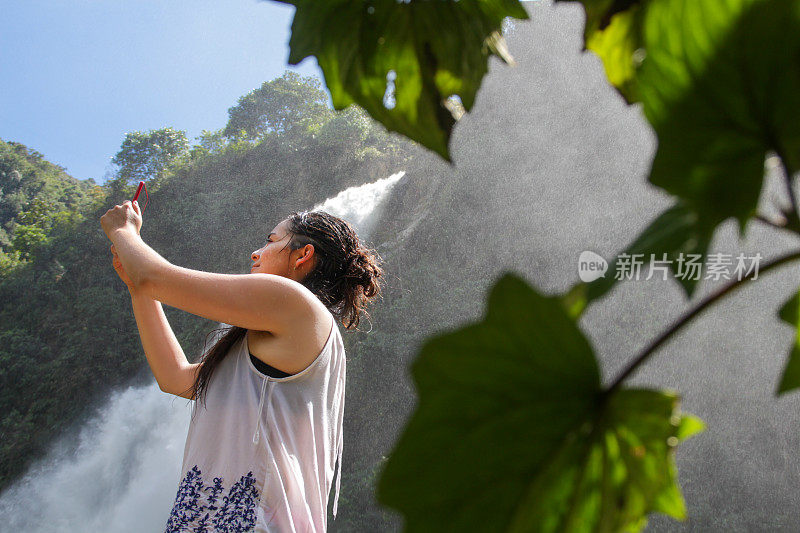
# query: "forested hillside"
37,200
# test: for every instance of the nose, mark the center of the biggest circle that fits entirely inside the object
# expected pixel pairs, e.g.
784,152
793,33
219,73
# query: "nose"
254,256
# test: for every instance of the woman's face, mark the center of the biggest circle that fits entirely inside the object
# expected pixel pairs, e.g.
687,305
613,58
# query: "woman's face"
276,257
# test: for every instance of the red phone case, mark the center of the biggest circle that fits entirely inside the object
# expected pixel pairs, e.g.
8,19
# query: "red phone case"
147,196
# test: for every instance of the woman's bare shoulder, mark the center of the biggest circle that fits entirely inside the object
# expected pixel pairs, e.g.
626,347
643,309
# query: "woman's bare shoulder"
295,349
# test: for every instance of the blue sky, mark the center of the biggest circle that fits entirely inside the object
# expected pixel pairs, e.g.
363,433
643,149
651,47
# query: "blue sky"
76,76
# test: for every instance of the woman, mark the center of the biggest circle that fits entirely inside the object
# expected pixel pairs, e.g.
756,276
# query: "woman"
261,453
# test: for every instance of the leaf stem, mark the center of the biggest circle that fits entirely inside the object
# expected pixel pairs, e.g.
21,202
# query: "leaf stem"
792,214
779,225
689,315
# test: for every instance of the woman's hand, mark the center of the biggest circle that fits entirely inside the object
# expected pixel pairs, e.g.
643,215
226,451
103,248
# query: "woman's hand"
121,271
127,216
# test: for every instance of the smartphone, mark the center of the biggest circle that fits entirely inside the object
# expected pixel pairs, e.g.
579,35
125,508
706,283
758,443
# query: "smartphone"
136,196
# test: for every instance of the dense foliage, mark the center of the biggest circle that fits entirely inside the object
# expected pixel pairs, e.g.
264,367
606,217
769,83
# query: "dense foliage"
37,200
394,59
146,156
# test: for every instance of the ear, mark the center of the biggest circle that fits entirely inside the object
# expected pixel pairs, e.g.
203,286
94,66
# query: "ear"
307,253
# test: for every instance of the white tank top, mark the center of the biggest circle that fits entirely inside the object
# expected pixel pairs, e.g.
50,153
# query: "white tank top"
261,455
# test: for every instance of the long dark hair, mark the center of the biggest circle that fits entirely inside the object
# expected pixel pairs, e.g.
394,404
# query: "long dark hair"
345,278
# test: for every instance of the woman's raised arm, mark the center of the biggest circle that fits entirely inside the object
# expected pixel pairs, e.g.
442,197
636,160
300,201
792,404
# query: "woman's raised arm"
261,302
167,361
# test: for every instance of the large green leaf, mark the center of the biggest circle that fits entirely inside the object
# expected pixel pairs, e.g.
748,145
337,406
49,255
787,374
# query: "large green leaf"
613,32
712,102
678,232
790,313
513,431
718,80
435,49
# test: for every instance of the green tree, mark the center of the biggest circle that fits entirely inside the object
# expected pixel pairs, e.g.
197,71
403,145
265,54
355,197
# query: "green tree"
27,239
8,262
287,104
349,127
33,227
25,175
146,156
212,141
36,225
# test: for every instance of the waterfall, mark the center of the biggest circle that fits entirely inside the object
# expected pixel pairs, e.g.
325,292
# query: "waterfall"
357,205
125,472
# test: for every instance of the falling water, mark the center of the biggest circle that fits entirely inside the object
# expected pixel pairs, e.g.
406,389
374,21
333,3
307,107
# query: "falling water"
124,474
357,205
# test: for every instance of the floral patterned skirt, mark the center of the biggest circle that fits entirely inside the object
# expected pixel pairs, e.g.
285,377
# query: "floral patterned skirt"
202,507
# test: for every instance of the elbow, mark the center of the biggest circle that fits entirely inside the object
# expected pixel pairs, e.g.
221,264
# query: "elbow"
168,390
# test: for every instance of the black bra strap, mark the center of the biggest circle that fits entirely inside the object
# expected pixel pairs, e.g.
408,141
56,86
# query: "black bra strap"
269,370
